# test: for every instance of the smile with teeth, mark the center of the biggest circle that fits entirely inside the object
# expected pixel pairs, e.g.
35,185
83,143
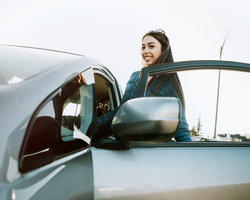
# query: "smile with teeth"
147,58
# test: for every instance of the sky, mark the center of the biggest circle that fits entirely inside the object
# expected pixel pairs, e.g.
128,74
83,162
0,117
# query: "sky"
111,30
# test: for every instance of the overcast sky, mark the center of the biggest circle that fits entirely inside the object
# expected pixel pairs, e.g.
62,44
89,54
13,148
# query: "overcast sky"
111,30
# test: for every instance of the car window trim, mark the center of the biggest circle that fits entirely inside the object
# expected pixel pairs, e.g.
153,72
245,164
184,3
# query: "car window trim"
186,66
113,84
192,144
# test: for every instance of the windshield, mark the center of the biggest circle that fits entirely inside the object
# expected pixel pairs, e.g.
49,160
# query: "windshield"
18,63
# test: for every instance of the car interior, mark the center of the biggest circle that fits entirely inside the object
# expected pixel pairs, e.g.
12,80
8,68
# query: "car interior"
104,97
105,103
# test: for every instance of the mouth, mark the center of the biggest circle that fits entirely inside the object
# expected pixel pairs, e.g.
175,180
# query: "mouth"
147,58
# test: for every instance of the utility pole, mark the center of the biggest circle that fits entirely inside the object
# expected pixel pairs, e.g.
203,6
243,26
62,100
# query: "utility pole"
218,90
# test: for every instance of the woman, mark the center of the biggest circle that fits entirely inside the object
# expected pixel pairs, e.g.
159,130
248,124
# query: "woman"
155,49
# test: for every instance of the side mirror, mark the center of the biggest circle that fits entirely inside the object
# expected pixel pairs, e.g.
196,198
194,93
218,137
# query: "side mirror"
150,119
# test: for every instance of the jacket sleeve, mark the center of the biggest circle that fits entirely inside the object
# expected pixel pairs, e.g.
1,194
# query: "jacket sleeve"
183,134
107,118
130,90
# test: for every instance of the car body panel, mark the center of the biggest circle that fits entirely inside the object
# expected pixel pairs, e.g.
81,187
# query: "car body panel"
41,60
67,178
172,173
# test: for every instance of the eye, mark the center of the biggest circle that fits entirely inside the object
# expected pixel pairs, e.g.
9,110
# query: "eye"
142,48
151,46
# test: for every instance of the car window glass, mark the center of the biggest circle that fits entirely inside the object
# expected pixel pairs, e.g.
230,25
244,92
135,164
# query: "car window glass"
60,125
77,109
234,107
200,89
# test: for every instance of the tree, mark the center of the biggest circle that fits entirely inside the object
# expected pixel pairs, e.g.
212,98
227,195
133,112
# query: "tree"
193,132
199,126
196,131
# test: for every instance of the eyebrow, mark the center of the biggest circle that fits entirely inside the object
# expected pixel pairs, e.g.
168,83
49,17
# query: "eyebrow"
149,43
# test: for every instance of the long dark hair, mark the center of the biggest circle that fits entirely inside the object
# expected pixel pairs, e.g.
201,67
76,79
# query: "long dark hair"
165,57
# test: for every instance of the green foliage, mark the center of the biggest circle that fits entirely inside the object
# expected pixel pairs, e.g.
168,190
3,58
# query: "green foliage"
196,131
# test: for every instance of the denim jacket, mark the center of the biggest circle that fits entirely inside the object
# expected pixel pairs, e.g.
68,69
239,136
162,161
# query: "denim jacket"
183,134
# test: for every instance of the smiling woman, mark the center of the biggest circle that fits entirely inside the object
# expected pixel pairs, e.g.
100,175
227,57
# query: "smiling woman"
155,49
150,50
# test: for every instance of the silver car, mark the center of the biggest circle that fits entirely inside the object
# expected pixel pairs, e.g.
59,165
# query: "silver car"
52,148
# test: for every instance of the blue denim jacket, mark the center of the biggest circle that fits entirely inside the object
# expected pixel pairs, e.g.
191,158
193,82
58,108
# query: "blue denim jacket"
183,134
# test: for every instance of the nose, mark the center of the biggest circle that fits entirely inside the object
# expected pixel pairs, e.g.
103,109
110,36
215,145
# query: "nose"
145,51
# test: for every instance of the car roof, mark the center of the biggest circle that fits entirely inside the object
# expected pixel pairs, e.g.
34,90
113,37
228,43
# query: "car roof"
19,63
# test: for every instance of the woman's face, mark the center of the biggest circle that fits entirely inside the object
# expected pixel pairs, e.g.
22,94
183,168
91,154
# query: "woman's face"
150,50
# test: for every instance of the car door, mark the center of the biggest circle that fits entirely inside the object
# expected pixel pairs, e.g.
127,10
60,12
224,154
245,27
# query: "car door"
188,170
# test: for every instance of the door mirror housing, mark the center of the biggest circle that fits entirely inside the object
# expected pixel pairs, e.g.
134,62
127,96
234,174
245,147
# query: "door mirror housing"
151,119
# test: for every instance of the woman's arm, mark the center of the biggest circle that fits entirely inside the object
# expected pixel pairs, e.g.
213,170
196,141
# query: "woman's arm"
183,134
130,91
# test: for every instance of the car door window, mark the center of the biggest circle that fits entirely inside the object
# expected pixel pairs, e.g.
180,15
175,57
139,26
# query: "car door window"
234,107
200,89
62,124
77,111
